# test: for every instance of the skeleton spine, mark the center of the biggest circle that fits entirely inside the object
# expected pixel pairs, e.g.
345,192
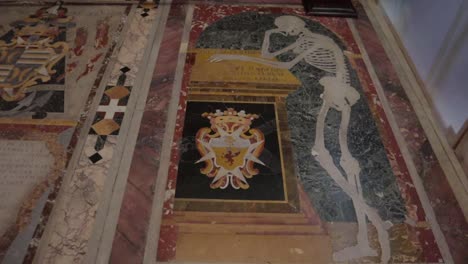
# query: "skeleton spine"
342,71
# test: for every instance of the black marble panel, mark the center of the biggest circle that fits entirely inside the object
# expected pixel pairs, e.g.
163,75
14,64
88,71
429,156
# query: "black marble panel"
267,185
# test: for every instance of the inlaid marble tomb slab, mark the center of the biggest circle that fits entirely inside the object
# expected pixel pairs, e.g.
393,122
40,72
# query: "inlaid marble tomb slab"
50,61
53,61
282,151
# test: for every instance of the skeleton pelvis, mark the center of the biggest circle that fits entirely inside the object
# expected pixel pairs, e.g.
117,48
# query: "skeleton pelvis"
338,93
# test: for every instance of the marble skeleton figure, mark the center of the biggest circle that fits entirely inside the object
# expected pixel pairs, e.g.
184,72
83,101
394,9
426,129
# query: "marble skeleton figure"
323,53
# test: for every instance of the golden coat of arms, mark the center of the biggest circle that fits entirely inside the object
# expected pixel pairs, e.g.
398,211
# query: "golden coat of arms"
230,148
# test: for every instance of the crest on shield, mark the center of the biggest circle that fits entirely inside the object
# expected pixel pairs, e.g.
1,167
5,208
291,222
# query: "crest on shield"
230,148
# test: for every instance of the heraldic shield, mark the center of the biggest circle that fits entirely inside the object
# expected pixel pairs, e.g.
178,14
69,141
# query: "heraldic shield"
230,148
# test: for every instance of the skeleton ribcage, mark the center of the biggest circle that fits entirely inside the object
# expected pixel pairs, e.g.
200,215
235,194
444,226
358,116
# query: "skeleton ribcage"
324,54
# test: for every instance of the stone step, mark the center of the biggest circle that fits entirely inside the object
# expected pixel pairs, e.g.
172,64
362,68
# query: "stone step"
253,229
275,249
243,223
242,218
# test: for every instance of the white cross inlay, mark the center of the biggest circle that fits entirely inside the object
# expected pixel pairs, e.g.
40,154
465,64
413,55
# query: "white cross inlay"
111,109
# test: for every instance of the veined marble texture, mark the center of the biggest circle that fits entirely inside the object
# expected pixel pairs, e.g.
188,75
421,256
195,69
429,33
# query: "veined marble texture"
378,182
133,47
73,223
135,216
395,223
68,243
261,136
49,93
89,35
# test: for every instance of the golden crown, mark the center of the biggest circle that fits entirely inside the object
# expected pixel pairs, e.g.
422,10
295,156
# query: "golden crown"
230,112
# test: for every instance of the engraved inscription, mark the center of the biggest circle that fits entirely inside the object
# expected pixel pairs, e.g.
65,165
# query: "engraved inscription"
23,164
238,73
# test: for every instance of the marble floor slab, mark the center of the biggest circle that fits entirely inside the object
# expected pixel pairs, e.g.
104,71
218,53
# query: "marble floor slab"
217,132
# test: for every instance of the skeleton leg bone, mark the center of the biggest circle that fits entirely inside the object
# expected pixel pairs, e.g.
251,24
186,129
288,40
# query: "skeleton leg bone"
351,166
362,209
322,53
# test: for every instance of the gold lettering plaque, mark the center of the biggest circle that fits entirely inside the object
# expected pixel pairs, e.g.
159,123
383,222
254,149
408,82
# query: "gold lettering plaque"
238,74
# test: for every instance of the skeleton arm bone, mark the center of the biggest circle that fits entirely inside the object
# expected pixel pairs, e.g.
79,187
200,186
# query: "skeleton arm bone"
275,64
324,61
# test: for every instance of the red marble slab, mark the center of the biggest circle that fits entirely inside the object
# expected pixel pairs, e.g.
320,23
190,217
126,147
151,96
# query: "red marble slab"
129,242
441,196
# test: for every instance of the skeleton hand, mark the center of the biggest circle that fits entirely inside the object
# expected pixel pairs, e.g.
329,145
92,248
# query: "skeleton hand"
266,43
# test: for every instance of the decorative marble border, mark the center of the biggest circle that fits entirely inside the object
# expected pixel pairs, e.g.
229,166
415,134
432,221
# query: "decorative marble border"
414,89
108,218
68,235
131,237
413,120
